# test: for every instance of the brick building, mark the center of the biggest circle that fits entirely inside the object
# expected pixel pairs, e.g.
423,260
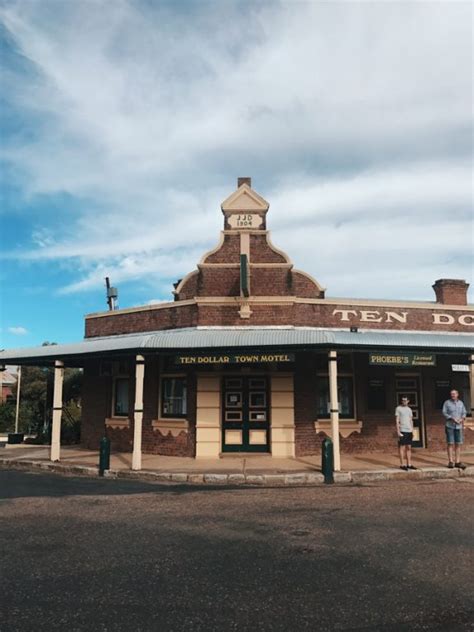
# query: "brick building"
8,380
252,357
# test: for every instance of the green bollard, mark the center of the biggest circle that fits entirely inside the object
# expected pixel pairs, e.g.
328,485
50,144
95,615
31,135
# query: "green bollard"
104,455
327,461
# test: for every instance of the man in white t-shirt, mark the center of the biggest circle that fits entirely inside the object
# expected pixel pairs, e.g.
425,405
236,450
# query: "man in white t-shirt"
404,423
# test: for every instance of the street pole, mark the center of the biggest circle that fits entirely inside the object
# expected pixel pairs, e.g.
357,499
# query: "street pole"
17,413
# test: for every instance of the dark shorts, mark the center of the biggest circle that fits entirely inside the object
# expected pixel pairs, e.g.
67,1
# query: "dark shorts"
406,438
454,435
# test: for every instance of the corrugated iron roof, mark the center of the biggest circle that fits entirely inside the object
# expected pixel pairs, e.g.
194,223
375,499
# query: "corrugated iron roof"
224,338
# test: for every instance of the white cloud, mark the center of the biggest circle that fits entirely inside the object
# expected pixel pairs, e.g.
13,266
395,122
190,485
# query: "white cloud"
354,119
17,331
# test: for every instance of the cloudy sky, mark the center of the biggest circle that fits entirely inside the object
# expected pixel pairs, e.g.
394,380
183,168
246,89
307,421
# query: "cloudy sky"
125,123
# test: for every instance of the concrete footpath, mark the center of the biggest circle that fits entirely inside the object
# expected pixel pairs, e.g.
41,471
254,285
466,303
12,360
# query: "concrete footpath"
232,470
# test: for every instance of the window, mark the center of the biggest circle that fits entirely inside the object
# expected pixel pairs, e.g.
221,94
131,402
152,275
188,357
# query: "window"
233,399
121,397
173,397
345,391
257,399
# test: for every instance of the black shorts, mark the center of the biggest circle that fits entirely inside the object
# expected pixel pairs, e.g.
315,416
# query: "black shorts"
406,439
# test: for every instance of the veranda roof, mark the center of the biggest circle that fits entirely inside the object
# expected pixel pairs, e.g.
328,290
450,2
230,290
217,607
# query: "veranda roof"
222,338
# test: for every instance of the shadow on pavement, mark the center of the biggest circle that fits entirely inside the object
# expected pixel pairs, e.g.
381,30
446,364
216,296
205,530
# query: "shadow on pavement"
17,484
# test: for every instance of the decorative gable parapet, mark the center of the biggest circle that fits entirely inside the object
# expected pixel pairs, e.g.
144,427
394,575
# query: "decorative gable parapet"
270,271
245,209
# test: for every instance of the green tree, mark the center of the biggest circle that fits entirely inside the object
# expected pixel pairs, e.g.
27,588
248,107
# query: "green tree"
36,402
7,416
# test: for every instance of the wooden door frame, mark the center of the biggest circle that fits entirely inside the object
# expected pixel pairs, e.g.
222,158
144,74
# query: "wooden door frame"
419,376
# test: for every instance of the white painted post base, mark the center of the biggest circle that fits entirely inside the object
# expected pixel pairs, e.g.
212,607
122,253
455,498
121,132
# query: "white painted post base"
57,411
138,413
334,409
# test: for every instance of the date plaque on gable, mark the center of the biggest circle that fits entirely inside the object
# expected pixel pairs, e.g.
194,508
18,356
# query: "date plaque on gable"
245,220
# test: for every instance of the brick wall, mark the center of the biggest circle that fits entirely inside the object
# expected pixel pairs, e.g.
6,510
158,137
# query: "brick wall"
381,317
269,282
97,406
146,320
304,287
306,439
219,282
189,288
261,251
228,315
229,252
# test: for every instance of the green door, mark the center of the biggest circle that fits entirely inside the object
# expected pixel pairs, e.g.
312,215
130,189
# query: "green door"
245,414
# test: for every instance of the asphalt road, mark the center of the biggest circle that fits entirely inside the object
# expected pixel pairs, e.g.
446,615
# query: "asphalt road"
79,554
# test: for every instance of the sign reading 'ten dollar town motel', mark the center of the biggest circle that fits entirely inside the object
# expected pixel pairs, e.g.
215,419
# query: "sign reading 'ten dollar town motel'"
402,359
242,358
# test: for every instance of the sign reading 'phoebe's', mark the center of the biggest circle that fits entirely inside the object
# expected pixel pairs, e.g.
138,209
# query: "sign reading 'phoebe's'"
242,358
402,359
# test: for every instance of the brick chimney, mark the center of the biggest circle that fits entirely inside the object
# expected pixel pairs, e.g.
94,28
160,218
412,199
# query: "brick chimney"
451,291
241,181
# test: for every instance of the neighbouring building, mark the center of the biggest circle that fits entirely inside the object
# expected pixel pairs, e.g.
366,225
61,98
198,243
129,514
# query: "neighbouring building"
8,380
251,356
